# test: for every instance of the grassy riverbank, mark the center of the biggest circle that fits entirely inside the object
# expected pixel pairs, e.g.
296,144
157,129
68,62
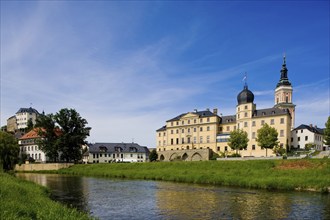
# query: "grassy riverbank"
21,199
307,174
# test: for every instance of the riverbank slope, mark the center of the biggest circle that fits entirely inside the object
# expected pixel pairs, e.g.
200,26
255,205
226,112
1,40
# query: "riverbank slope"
20,199
303,174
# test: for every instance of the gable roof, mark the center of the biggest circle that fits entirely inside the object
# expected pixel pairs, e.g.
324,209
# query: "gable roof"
111,148
270,112
206,113
228,119
31,135
28,110
162,128
315,130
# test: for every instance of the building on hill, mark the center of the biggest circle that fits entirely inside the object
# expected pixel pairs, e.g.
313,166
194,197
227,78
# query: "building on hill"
207,130
307,134
117,152
20,120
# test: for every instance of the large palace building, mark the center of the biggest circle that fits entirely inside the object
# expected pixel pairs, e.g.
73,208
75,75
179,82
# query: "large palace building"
194,135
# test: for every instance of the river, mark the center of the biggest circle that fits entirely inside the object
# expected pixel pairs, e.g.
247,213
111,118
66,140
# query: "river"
139,199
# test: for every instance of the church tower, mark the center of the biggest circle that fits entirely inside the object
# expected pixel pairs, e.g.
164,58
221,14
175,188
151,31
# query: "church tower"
283,93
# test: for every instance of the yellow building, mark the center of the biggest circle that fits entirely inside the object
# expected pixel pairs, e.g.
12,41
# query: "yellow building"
208,130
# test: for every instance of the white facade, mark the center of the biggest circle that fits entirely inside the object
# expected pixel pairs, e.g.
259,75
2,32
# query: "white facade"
305,134
32,150
24,115
117,152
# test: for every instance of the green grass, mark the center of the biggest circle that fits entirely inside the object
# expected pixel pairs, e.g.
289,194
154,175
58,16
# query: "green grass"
307,174
21,199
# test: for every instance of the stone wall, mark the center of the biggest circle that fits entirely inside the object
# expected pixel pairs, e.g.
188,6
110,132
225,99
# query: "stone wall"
41,166
185,155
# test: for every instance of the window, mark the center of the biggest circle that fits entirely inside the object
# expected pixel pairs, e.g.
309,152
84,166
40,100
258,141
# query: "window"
282,121
238,115
245,114
171,131
188,130
227,128
306,138
238,109
182,141
171,141
208,128
201,120
131,155
253,135
194,129
182,122
245,107
253,147
201,139
159,134
298,138
164,142
208,119
292,139
188,140
271,121
194,121
226,148
286,99
207,139
245,124
201,129
177,123
188,122
262,122
218,148
159,143
182,131
281,133
172,123
301,131
177,141
195,140
253,123
177,131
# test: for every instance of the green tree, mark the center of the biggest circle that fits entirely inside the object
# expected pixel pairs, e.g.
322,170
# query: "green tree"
238,140
63,135
46,129
153,156
29,125
9,151
327,132
309,146
73,134
267,137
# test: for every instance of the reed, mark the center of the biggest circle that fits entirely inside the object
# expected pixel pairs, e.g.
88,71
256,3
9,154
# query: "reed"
20,199
306,174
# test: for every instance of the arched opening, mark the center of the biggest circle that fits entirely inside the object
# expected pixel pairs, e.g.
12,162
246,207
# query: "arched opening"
174,156
196,157
161,158
184,156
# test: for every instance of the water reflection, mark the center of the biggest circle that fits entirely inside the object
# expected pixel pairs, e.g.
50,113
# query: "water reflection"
128,199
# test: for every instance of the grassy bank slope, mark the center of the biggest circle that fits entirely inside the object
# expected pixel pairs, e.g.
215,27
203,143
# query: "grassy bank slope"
20,199
266,174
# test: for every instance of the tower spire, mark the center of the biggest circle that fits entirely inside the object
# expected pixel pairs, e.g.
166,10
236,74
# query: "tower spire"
284,80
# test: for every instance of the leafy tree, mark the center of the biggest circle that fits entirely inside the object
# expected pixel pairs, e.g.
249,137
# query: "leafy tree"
46,129
238,140
327,132
153,156
73,134
63,133
9,151
267,137
29,125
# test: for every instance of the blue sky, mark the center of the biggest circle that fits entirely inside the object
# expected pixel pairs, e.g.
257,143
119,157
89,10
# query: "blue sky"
129,66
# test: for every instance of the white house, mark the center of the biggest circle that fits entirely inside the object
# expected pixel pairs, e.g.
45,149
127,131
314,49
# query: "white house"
23,115
117,152
305,134
29,146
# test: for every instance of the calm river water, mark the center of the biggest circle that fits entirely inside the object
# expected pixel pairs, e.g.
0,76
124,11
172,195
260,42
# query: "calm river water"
135,199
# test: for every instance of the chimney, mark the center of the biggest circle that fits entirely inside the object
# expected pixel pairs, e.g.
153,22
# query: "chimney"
207,109
215,111
311,125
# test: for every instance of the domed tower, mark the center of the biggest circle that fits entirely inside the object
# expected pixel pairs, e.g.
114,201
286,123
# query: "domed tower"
245,107
283,93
